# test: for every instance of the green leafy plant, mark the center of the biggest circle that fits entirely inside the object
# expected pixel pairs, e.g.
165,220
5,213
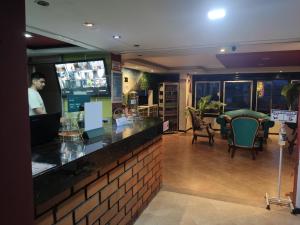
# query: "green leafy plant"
205,104
291,94
143,83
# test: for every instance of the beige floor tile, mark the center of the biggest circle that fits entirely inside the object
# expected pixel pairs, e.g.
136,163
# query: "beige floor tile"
202,185
170,208
208,171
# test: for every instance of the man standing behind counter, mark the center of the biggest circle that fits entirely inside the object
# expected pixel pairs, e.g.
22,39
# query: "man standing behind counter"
36,103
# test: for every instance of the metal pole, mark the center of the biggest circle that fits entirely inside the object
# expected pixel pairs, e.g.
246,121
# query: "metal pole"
279,172
277,200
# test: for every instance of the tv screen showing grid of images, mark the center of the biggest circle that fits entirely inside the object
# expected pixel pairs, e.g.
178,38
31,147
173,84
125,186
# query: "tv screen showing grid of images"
82,77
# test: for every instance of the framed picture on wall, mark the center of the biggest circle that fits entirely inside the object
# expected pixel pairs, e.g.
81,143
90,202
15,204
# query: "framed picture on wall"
116,87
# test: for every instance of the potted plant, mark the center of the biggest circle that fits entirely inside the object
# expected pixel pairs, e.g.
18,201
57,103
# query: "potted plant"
205,104
291,94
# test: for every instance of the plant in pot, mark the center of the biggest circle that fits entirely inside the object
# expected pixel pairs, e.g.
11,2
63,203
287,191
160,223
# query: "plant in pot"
205,104
291,94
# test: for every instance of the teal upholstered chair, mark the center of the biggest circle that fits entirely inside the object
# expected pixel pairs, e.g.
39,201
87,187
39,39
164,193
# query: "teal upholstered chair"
225,118
244,135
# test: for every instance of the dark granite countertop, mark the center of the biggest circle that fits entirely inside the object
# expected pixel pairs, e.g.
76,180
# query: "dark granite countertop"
73,161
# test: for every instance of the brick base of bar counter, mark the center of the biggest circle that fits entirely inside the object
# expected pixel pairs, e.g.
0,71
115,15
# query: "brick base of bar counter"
113,195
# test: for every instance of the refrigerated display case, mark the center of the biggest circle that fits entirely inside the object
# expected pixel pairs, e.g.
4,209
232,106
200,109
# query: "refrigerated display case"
168,104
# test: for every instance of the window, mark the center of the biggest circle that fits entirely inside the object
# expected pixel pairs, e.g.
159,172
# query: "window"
278,101
268,95
204,88
237,95
263,96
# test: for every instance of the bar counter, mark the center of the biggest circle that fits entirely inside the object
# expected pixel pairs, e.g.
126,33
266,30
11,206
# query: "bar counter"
118,172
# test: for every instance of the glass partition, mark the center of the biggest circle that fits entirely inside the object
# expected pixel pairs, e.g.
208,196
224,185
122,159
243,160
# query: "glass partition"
237,95
278,101
264,96
204,88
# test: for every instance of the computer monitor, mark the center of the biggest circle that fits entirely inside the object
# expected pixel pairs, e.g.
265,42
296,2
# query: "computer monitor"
44,128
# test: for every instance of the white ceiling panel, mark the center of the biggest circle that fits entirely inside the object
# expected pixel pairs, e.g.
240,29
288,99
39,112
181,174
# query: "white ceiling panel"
166,25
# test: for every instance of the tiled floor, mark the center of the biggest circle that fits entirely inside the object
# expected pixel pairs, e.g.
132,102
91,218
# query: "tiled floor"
208,171
170,208
202,185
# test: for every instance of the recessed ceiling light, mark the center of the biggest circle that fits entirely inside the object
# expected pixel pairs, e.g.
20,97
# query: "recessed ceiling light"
117,36
152,71
222,50
236,72
280,71
27,35
88,24
216,14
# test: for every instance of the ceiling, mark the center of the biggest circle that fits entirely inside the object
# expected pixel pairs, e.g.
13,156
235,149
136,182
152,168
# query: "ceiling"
260,59
42,42
176,35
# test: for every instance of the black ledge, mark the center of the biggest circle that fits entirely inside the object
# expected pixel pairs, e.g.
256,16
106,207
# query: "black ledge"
73,161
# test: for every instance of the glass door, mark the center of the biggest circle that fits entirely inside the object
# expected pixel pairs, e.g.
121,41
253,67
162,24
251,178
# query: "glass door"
237,95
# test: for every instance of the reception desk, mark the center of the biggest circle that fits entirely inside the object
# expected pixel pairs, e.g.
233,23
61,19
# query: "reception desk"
108,180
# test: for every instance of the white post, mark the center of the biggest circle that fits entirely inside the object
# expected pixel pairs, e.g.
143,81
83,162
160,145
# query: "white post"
182,102
298,182
279,172
298,152
282,116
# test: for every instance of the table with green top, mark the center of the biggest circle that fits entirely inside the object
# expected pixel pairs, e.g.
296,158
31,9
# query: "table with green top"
226,117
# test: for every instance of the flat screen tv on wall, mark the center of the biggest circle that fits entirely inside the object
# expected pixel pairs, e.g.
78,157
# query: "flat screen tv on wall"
83,78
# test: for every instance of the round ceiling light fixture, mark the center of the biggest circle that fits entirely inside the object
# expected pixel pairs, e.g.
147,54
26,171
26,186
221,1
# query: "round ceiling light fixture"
216,14
27,35
222,50
117,36
88,24
42,3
